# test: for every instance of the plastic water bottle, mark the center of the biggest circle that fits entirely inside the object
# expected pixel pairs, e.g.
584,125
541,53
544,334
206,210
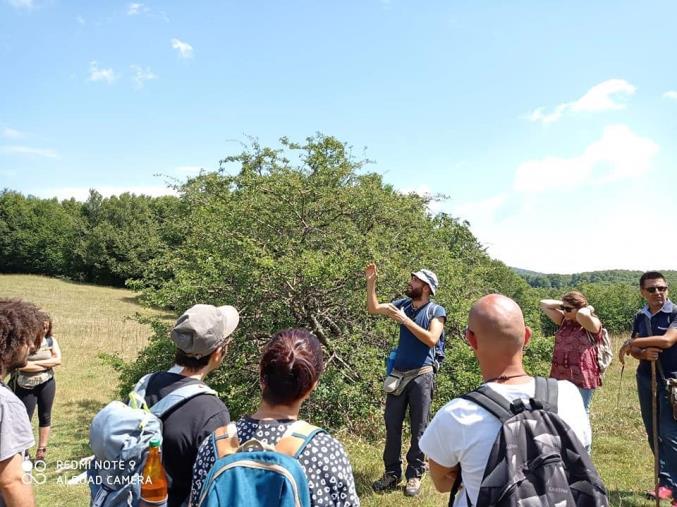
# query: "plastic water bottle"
390,361
154,485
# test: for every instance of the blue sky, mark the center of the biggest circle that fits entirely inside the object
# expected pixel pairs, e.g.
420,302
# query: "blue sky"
549,126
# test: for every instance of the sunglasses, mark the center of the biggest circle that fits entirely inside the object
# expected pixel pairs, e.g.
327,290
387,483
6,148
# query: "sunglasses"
566,308
659,288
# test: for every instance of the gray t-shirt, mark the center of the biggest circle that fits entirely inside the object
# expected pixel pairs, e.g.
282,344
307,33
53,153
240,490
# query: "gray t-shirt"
16,434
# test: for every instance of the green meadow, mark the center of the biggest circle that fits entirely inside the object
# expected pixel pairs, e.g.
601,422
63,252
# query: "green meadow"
90,320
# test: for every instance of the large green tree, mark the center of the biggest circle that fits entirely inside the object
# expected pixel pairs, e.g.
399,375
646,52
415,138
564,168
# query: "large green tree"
285,239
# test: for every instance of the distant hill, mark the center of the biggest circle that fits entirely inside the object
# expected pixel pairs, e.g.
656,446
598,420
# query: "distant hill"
558,281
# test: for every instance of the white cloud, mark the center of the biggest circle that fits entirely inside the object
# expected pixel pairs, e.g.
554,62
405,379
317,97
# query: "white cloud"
82,193
97,74
538,226
185,50
538,114
134,8
9,133
22,4
142,75
575,232
483,209
618,154
188,170
606,96
672,94
29,151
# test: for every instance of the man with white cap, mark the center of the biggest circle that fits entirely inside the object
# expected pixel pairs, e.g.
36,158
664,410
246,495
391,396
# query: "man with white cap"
201,336
421,327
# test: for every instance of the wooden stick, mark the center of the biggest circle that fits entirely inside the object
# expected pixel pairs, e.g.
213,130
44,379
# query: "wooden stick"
654,418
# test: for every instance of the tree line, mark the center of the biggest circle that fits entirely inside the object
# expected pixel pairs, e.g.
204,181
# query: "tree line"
562,281
102,240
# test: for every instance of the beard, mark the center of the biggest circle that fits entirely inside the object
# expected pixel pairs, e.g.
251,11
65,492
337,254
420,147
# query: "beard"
414,293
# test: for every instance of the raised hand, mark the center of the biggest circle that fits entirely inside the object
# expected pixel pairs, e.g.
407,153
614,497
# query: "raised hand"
370,272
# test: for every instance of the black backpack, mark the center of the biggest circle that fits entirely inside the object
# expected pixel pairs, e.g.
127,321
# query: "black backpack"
536,458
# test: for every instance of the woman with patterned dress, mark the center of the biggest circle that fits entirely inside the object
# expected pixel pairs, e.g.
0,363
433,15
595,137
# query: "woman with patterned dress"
290,368
575,355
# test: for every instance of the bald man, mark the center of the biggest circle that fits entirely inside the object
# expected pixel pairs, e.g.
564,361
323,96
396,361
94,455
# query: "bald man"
462,433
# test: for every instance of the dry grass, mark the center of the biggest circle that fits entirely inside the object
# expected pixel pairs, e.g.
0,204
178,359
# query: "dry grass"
90,320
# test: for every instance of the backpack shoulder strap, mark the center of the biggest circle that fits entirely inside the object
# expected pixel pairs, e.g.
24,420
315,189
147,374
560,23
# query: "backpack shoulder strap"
296,438
491,401
179,396
137,397
545,395
430,311
225,440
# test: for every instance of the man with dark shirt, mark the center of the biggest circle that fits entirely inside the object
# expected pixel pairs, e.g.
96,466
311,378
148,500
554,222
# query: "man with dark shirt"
421,326
654,338
201,338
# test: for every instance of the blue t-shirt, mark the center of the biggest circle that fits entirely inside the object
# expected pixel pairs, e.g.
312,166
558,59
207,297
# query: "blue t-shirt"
412,353
645,325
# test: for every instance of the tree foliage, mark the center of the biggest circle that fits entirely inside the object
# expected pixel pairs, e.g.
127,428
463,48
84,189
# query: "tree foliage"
284,235
103,240
611,276
286,240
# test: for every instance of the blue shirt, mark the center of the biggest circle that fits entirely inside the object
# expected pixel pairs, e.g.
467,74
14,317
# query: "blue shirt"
412,353
646,324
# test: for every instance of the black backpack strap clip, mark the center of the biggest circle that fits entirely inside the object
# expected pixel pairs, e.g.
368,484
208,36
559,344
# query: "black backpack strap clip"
517,406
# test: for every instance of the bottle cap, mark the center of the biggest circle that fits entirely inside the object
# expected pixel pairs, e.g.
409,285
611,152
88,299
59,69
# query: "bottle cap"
155,442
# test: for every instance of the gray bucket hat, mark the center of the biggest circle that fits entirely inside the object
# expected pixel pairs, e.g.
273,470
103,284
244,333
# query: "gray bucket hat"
427,276
202,328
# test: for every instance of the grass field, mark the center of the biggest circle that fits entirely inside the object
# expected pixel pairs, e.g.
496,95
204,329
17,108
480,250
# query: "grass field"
89,320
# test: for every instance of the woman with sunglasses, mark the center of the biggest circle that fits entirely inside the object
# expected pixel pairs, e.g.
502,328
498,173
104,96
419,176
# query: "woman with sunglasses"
575,355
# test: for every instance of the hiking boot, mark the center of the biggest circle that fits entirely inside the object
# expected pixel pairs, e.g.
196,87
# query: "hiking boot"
413,487
663,493
386,483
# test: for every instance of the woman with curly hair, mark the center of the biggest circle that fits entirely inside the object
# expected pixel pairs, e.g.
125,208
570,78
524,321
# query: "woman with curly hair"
20,332
34,385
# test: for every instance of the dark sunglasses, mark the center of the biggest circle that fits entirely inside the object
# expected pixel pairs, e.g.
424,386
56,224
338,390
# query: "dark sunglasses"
566,308
659,288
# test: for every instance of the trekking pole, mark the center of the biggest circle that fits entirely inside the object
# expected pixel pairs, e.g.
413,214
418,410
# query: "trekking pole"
654,419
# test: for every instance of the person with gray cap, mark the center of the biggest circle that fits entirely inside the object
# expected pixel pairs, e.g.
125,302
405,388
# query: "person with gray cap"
410,384
201,336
